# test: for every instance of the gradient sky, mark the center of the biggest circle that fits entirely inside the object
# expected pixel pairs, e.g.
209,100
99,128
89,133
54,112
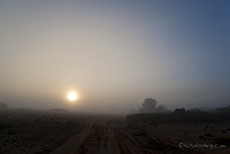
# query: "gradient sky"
115,53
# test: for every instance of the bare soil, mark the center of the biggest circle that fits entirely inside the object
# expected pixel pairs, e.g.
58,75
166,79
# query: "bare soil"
68,133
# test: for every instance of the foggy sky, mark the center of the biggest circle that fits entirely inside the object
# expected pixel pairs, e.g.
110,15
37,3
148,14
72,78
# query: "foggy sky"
114,54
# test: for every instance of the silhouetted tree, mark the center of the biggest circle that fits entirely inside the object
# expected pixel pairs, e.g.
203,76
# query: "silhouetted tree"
161,109
148,106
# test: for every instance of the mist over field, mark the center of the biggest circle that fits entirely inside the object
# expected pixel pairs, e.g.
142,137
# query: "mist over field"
114,55
114,77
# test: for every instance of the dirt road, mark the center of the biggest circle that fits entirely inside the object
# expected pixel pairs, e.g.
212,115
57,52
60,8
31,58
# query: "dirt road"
114,136
100,136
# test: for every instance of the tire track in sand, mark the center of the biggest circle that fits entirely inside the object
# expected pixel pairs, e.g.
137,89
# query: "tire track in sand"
70,146
98,138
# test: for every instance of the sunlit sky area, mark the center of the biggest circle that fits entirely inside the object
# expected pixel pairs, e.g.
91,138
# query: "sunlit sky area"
114,54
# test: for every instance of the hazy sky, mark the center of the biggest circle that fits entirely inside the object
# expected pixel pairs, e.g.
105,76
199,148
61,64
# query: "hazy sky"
115,53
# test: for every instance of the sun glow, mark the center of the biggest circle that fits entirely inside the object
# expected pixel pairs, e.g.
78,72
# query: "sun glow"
72,96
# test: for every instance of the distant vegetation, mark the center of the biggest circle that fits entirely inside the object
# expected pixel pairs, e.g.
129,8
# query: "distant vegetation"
59,110
223,109
180,115
3,105
150,106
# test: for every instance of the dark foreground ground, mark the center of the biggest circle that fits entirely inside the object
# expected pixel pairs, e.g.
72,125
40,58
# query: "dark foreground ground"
40,132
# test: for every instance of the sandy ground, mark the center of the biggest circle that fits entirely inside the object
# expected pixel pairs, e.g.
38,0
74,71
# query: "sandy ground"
44,132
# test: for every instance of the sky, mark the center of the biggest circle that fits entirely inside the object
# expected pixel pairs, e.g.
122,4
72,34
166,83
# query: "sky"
114,54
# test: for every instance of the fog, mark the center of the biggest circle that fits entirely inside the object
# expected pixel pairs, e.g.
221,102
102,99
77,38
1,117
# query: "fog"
114,54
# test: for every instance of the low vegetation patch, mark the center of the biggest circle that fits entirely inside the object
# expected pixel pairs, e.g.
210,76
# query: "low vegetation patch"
155,118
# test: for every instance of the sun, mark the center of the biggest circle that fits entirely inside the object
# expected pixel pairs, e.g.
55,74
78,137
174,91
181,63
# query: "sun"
72,96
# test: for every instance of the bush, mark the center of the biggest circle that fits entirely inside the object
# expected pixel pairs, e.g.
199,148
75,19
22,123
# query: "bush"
177,117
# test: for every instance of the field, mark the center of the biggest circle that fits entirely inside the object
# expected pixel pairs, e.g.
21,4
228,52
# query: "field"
43,132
